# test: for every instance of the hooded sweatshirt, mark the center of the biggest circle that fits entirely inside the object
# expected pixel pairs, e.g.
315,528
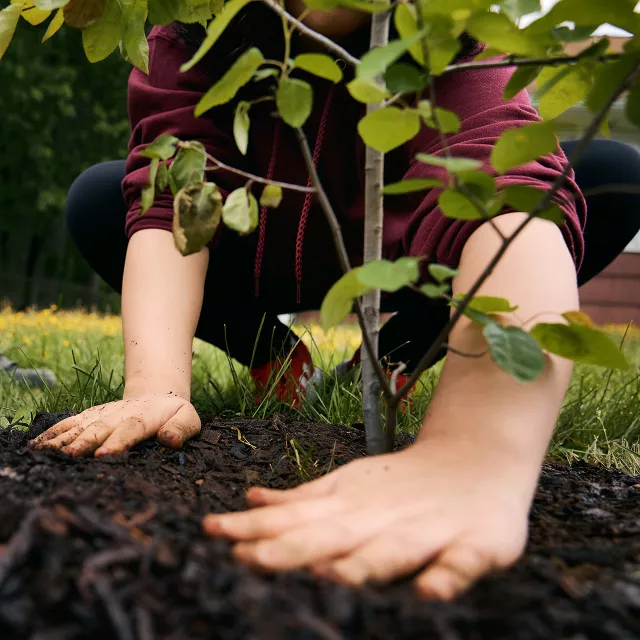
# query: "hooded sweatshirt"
294,241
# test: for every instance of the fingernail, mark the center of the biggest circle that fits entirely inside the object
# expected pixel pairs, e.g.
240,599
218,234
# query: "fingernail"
102,452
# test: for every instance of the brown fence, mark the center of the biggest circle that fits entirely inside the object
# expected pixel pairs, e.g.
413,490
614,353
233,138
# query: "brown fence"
614,296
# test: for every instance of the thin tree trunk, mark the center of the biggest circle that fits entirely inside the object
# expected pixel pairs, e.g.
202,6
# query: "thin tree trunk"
374,214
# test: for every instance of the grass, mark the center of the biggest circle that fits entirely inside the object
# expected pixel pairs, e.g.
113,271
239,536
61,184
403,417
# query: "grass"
600,420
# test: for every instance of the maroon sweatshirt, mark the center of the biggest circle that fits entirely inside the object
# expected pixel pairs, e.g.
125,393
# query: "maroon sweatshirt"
163,102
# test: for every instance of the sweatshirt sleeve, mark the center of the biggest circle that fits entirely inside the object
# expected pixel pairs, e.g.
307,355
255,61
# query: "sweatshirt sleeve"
476,96
163,102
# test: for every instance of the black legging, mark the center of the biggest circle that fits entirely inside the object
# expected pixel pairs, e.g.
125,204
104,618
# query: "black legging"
250,331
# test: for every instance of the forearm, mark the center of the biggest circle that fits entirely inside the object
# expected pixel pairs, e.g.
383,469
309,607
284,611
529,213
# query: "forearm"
161,302
478,404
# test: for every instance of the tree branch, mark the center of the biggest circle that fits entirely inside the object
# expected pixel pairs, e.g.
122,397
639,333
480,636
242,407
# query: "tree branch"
461,307
341,249
513,61
250,176
327,43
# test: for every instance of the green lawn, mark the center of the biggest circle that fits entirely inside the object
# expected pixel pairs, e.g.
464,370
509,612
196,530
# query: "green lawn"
600,421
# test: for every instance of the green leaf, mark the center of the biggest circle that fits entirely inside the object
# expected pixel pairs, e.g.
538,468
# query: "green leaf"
185,11
79,14
294,99
516,147
162,181
442,42
518,8
515,352
526,199
443,119
608,79
364,5
215,30
149,191
411,185
319,64
271,196
134,38
580,343
407,26
188,167
452,165
338,302
405,78
499,32
162,148
9,18
375,62
102,38
454,204
241,125
632,107
239,74
264,73
367,92
567,86
578,317
389,276
481,184
388,128
240,212
441,273
49,5
489,304
435,291
197,211
54,26
522,77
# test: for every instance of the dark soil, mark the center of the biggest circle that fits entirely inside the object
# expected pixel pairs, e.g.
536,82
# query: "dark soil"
114,550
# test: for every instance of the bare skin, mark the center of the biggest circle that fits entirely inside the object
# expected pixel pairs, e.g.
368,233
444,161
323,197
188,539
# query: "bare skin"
454,506
451,508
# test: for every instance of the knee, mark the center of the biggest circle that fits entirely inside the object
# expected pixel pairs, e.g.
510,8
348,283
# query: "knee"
92,192
612,161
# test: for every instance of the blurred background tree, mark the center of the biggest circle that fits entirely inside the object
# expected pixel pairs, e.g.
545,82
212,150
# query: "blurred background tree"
58,115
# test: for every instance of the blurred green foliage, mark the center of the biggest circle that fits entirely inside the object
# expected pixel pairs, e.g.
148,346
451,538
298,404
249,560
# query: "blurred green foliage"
59,114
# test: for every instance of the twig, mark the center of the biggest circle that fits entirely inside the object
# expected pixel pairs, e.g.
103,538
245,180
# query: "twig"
115,610
327,43
17,549
250,176
581,147
512,61
401,368
338,241
144,623
464,354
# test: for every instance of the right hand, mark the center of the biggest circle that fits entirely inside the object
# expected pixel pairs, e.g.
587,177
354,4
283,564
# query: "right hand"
115,427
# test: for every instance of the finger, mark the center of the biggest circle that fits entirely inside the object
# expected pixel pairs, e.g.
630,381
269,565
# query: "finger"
86,417
390,555
68,437
268,522
92,437
261,497
183,426
455,570
129,431
320,541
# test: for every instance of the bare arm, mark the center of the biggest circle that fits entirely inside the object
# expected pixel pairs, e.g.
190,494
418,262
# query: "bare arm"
478,404
161,302
454,506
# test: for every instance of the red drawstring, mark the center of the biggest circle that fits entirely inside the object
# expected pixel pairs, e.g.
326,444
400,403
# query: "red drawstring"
262,233
304,216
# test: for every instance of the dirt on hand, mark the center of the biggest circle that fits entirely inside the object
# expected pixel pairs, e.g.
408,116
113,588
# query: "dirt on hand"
113,549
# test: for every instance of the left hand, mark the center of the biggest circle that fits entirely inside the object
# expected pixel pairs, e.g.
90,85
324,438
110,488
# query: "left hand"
434,509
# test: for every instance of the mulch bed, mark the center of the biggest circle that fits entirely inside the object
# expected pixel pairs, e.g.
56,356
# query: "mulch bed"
114,550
